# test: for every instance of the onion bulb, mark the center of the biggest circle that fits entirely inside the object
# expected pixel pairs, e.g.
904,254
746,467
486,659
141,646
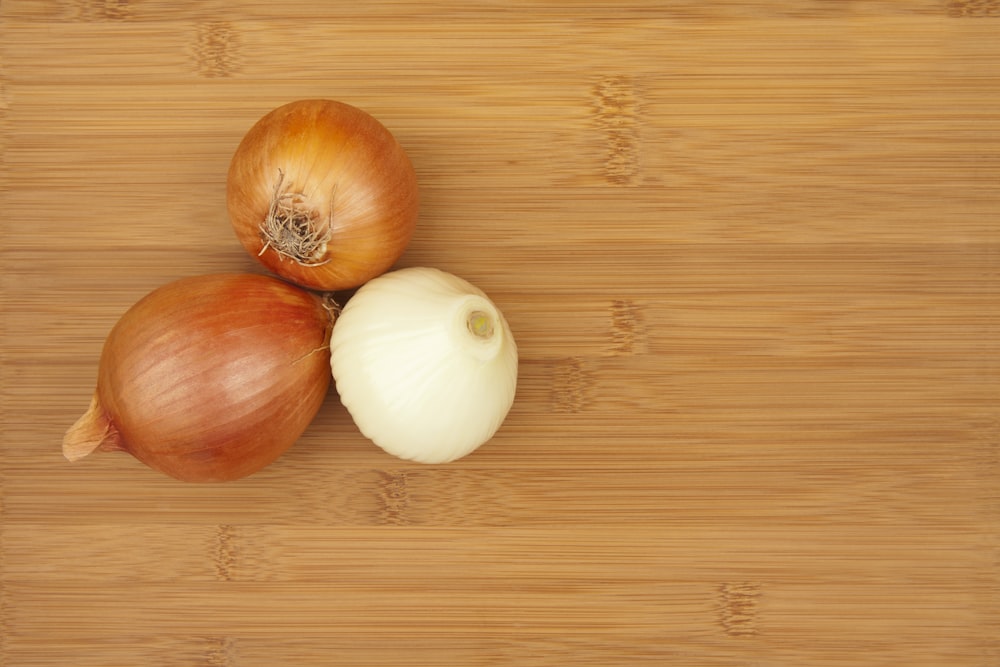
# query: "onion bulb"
425,363
322,194
209,378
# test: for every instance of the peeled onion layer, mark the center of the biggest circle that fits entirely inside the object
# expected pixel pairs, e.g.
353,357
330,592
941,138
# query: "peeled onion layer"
322,194
425,363
209,378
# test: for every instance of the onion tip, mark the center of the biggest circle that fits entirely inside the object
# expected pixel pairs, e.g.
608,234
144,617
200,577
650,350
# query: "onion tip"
91,432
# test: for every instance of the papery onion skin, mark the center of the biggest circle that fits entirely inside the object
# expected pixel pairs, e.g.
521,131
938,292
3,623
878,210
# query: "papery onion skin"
209,378
425,363
357,186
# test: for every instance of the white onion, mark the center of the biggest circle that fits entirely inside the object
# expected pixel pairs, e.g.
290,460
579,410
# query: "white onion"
425,364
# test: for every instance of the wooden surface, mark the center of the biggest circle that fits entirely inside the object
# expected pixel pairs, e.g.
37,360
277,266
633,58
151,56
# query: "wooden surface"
750,251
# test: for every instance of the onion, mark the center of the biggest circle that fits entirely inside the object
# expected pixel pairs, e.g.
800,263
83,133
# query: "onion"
425,363
209,378
322,194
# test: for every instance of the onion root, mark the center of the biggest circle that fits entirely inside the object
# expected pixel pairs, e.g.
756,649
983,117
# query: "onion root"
290,230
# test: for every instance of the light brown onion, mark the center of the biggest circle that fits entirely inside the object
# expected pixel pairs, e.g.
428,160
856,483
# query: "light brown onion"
209,378
322,194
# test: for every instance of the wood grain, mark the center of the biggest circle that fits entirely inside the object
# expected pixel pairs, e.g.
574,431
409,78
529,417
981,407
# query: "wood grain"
751,255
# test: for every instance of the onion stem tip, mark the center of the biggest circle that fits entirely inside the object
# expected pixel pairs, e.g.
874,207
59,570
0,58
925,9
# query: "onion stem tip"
480,324
91,432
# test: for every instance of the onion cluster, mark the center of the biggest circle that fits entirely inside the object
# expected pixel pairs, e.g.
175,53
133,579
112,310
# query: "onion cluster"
211,378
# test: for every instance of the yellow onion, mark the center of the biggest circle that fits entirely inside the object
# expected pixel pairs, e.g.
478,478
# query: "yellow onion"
209,378
322,194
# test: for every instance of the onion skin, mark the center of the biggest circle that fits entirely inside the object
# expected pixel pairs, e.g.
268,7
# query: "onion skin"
209,378
354,183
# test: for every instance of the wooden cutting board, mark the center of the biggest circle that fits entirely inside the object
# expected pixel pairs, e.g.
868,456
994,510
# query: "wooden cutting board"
750,252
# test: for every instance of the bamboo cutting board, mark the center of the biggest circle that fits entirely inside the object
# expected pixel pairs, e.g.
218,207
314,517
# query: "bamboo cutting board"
751,255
